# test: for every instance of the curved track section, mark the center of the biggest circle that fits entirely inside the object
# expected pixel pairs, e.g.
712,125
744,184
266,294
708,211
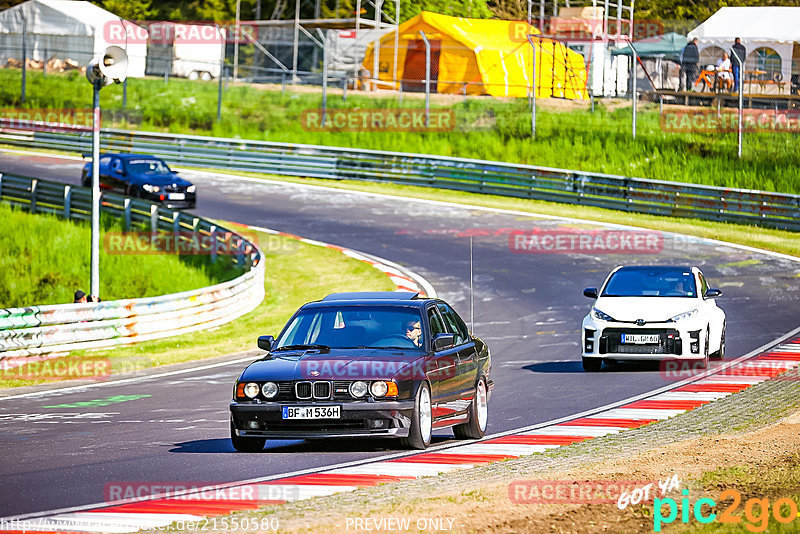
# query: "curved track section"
65,449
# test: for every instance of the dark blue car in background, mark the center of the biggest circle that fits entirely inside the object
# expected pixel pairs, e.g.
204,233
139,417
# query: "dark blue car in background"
141,176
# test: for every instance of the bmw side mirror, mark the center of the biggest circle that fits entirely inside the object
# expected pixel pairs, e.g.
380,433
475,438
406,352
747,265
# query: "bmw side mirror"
712,293
590,292
443,341
265,342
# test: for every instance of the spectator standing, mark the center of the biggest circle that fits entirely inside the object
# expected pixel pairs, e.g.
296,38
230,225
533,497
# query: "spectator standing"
690,57
738,55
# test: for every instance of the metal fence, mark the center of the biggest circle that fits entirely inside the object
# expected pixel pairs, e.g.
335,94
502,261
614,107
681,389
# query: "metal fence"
776,210
38,330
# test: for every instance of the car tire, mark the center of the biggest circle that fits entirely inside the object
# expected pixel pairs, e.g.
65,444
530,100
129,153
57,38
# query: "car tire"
419,435
246,444
194,75
475,428
206,76
592,365
720,354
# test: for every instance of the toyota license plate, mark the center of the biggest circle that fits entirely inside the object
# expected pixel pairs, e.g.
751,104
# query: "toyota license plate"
641,339
311,412
176,196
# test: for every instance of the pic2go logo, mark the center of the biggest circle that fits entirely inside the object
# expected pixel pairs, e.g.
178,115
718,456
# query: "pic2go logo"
756,511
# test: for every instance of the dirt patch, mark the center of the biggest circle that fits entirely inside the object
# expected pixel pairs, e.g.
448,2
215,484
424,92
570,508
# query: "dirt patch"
490,508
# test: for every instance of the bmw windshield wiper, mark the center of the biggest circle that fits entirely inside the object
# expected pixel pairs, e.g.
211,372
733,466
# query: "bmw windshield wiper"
301,347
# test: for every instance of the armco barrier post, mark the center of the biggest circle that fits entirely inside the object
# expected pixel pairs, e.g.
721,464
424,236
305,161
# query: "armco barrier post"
427,78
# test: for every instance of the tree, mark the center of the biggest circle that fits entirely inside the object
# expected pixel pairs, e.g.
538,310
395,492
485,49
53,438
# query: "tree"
476,9
131,9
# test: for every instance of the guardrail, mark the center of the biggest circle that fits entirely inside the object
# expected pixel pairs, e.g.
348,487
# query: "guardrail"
39,330
657,197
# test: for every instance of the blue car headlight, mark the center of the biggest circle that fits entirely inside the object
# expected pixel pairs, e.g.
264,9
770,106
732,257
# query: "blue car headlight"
191,189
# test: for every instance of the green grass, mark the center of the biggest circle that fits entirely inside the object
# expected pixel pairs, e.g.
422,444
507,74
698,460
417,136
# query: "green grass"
487,128
779,479
45,259
295,274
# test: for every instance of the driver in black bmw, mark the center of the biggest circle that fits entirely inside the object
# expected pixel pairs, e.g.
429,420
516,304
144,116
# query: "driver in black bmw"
384,364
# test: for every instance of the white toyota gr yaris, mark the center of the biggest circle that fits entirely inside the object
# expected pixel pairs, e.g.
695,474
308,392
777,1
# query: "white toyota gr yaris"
653,313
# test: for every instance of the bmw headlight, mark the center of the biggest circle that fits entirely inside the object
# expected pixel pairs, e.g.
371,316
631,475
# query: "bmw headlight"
151,188
379,389
251,389
597,314
191,189
682,316
358,389
270,389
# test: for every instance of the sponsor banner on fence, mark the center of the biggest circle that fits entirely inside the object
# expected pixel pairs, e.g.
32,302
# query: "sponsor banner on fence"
378,120
579,241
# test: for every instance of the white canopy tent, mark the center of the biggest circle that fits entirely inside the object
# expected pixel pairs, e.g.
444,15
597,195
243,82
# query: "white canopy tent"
763,30
71,29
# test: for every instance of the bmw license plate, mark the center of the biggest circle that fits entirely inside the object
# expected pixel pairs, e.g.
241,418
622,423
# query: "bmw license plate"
311,412
641,339
176,196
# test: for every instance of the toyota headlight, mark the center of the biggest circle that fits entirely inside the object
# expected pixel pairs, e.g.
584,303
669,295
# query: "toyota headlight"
597,314
151,188
270,389
251,389
682,316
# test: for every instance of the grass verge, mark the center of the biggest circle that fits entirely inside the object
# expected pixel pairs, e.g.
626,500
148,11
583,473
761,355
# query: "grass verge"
296,273
567,136
46,258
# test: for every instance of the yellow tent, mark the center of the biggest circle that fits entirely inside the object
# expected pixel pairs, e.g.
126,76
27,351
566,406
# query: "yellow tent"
478,56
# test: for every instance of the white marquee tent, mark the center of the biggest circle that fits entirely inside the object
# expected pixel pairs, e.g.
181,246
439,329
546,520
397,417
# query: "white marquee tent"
71,29
765,32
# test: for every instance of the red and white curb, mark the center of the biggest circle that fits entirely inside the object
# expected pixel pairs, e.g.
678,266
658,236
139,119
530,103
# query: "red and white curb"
209,502
403,278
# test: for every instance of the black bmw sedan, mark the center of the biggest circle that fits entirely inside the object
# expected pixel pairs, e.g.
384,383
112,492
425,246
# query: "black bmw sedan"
383,364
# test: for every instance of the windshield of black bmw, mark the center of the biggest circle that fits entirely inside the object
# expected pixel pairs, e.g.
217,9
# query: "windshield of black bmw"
147,166
342,327
651,283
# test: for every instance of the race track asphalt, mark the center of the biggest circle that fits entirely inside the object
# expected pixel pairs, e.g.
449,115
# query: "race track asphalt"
66,449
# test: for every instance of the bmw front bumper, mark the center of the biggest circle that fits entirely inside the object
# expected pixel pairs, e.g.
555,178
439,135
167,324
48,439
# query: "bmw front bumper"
358,419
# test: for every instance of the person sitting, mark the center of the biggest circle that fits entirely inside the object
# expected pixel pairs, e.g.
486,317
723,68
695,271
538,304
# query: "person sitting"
724,73
80,297
414,332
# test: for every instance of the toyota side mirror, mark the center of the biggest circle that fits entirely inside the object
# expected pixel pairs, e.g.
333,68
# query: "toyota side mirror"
712,293
590,292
